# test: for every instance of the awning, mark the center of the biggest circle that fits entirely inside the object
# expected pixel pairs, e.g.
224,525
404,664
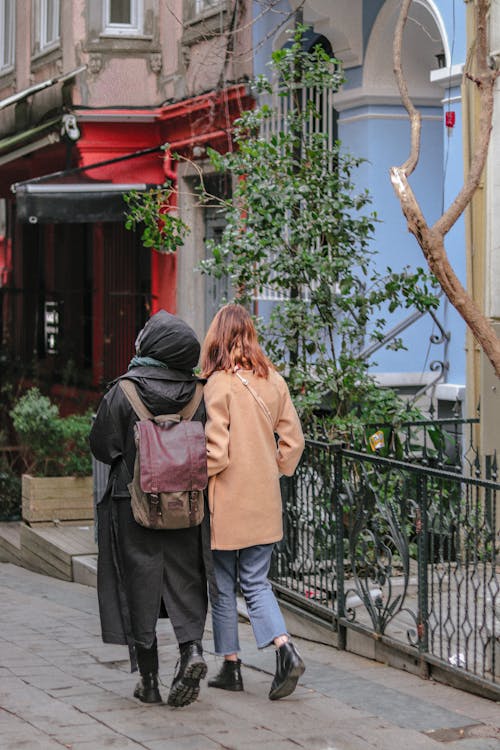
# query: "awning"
25,140
71,196
28,148
73,203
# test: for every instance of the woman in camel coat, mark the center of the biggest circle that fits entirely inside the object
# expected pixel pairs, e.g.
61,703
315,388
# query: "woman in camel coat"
248,404
244,491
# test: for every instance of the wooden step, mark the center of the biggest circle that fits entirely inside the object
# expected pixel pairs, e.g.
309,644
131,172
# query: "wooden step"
51,550
85,569
10,542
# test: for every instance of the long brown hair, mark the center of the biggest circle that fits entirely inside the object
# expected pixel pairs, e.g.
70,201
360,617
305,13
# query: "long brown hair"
232,340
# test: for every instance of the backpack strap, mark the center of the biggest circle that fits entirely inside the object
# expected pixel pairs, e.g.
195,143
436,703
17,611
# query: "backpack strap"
130,390
190,409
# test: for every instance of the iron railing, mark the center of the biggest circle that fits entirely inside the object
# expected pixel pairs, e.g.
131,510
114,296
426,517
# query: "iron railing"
399,550
449,444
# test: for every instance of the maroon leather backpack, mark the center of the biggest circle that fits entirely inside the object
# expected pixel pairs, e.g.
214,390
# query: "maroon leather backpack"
170,470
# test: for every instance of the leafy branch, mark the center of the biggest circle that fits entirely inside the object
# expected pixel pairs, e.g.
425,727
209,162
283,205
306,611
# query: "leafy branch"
151,212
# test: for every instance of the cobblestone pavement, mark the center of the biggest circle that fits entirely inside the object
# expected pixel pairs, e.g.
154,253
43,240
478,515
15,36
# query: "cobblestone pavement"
61,687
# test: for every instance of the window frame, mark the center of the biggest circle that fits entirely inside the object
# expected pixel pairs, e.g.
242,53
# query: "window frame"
198,10
135,28
45,44
7,37
204,6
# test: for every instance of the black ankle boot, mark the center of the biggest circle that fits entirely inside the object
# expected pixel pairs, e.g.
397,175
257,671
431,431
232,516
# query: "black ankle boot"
289,667
190,669
147,687
228,677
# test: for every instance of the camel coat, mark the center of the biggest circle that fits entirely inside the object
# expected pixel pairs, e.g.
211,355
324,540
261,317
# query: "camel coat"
244,459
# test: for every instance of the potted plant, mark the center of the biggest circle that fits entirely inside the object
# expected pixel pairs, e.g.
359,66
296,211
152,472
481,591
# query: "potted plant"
57,477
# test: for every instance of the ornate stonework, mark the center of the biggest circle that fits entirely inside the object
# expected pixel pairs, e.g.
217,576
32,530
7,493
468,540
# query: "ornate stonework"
155,62
95,63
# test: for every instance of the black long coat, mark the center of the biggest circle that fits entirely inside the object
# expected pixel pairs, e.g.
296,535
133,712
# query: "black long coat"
133,589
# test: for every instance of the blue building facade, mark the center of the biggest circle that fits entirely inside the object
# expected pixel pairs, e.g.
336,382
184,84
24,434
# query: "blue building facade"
373,124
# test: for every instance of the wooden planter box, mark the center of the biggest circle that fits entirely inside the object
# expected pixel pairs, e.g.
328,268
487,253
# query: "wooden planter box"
46,499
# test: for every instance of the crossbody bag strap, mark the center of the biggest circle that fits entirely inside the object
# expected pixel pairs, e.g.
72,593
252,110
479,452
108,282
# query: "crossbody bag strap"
256,397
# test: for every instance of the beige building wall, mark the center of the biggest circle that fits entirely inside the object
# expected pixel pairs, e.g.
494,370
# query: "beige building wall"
483,261
489,383
475,217
175,56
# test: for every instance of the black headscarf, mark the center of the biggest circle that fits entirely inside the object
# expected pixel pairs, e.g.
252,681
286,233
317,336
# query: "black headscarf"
168,340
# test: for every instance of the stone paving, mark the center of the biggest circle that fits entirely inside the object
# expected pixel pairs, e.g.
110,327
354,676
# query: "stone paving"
61,687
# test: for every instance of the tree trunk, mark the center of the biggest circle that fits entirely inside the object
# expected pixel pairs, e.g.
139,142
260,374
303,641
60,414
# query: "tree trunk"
431,239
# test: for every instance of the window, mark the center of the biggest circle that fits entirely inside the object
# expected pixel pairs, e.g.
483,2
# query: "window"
7,43
196,8
200,6
123,17
48,24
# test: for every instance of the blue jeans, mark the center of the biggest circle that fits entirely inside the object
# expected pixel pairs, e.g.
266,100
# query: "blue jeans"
251,566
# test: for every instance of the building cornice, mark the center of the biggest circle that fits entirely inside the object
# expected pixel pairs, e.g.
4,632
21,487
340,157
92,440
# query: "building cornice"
236,97
448,77
115,115
352,99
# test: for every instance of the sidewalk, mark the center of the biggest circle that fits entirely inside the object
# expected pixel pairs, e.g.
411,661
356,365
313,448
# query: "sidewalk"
61,687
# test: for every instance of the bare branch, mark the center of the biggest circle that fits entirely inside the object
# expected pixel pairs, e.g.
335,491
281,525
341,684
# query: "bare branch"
431,239
413,113
478,162
432,243
485,79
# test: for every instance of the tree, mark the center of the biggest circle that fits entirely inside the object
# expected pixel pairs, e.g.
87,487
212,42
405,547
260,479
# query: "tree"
298,231
431,238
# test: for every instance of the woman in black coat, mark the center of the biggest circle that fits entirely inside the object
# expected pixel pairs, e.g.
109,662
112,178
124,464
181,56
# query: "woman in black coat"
144,573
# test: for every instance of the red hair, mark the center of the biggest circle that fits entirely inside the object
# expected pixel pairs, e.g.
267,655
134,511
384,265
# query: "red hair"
232,340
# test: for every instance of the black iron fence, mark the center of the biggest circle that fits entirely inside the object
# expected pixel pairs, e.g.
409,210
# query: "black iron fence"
441,443
405,549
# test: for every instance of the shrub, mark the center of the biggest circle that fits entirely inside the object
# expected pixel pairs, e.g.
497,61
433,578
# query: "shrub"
10,494
75,434
51,445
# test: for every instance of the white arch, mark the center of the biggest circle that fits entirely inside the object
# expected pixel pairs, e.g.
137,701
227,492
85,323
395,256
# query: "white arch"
431,6
424,38
340,21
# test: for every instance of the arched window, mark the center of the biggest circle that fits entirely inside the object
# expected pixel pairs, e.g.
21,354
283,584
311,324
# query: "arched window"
328,116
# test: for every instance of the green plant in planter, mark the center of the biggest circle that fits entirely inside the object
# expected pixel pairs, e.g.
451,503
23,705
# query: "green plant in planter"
51,445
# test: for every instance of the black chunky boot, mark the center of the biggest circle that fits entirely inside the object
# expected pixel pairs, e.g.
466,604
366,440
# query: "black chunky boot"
147,687
289,667
228,677
190,669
